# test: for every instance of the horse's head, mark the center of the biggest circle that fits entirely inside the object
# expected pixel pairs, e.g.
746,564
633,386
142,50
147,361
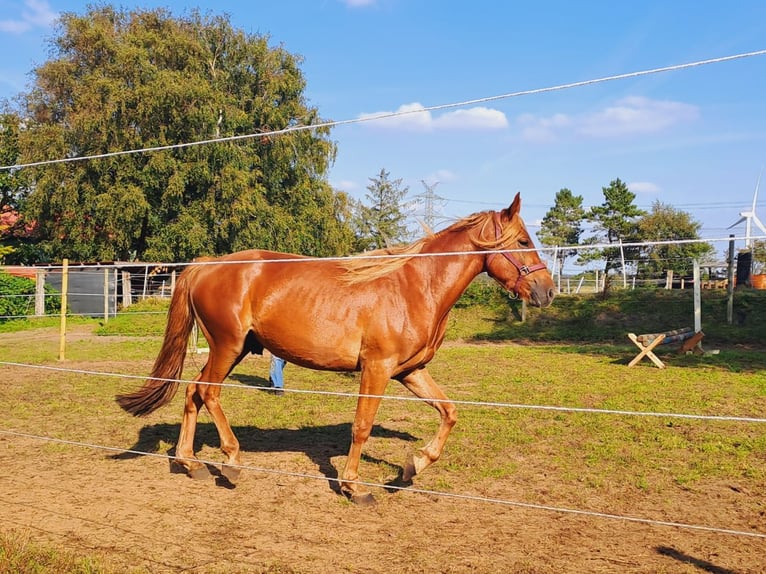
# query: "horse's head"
520,269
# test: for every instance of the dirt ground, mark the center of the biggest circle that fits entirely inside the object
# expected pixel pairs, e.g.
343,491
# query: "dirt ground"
134,511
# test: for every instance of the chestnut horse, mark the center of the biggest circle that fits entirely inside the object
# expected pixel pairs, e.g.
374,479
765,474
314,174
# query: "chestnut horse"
383,316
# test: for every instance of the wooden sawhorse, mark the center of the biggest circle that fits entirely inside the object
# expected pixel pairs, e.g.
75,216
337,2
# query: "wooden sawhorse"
647,343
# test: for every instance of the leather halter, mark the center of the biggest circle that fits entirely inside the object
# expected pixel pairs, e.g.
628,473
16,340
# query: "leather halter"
523,269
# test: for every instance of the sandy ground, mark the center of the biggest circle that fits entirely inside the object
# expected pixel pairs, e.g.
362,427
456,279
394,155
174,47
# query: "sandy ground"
133,510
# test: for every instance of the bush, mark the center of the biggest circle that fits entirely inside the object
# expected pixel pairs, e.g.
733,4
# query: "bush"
17,297
483,291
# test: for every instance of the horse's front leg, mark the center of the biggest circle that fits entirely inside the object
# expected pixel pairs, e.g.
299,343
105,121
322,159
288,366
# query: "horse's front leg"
423,386
185,447
374,381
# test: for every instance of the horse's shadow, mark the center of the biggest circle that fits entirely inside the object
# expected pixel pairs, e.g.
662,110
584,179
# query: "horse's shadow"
319,443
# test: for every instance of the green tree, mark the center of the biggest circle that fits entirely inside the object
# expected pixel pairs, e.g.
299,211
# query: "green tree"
614,221
759,256
562,225
16,233
127,80
665,223
382,222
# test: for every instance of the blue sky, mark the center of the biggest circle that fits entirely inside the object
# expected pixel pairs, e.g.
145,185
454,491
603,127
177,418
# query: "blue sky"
693,138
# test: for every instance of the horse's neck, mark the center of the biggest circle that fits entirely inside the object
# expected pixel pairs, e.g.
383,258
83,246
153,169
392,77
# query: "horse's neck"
450,275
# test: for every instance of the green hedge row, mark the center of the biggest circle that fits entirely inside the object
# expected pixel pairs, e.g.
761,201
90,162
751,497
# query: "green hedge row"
17,297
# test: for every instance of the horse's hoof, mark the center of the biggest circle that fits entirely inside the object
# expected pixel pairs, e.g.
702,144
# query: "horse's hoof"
231,473
199,473
409,470
364,499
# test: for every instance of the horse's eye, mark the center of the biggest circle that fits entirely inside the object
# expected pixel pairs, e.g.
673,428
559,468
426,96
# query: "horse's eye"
524,242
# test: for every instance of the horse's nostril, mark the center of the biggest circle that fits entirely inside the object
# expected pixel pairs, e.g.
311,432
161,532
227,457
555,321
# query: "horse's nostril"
551,294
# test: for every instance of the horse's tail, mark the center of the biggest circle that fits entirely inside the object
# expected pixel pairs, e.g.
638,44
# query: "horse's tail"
163,383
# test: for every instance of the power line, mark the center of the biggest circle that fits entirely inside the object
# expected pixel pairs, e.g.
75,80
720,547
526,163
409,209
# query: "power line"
377,117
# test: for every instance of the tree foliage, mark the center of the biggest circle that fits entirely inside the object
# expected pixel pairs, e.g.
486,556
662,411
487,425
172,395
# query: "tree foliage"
665,223
562,224
129,80
382,222
614,221
16,233
759,256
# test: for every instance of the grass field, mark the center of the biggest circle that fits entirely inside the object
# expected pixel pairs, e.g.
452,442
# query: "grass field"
675,469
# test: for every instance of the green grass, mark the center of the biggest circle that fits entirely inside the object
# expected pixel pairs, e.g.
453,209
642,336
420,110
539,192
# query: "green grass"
20,555
592,318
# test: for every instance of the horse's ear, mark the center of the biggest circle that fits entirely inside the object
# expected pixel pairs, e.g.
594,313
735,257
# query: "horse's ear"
513,209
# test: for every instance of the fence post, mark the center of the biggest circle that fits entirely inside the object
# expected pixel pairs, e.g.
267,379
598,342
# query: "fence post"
62,325
126,289
39,293
146,282
697,299
730,284
624,271
106,295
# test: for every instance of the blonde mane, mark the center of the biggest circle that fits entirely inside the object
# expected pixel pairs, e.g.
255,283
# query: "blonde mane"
370,265
373,264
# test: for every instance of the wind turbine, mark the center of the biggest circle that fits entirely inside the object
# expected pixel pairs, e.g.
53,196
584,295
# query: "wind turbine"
749,217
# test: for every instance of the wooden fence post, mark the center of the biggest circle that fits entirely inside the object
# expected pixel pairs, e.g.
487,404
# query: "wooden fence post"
730,284
697,298
126,291
106,295
669,279
39,293
62,325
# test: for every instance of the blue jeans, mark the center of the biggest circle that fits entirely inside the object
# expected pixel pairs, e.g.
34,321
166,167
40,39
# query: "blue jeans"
275,372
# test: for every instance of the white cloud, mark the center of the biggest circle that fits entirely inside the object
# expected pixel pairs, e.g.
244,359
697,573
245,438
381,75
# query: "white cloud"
414,117
644,187
473,118
542,130
38,14
628,116
637,115
358,3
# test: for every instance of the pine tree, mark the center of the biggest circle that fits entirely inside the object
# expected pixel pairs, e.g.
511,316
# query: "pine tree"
382,222
562,225
614,221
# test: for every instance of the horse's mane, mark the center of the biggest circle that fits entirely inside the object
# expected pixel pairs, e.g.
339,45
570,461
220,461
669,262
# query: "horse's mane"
377,263
373,264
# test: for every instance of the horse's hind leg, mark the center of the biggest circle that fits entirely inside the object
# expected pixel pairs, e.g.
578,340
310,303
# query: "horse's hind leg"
185,447
222,359
198,393
423,386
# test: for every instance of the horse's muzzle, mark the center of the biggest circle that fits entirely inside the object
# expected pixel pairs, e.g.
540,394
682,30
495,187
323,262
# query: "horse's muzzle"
542,296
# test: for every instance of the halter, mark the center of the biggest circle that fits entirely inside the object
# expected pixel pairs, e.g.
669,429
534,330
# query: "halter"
523,269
